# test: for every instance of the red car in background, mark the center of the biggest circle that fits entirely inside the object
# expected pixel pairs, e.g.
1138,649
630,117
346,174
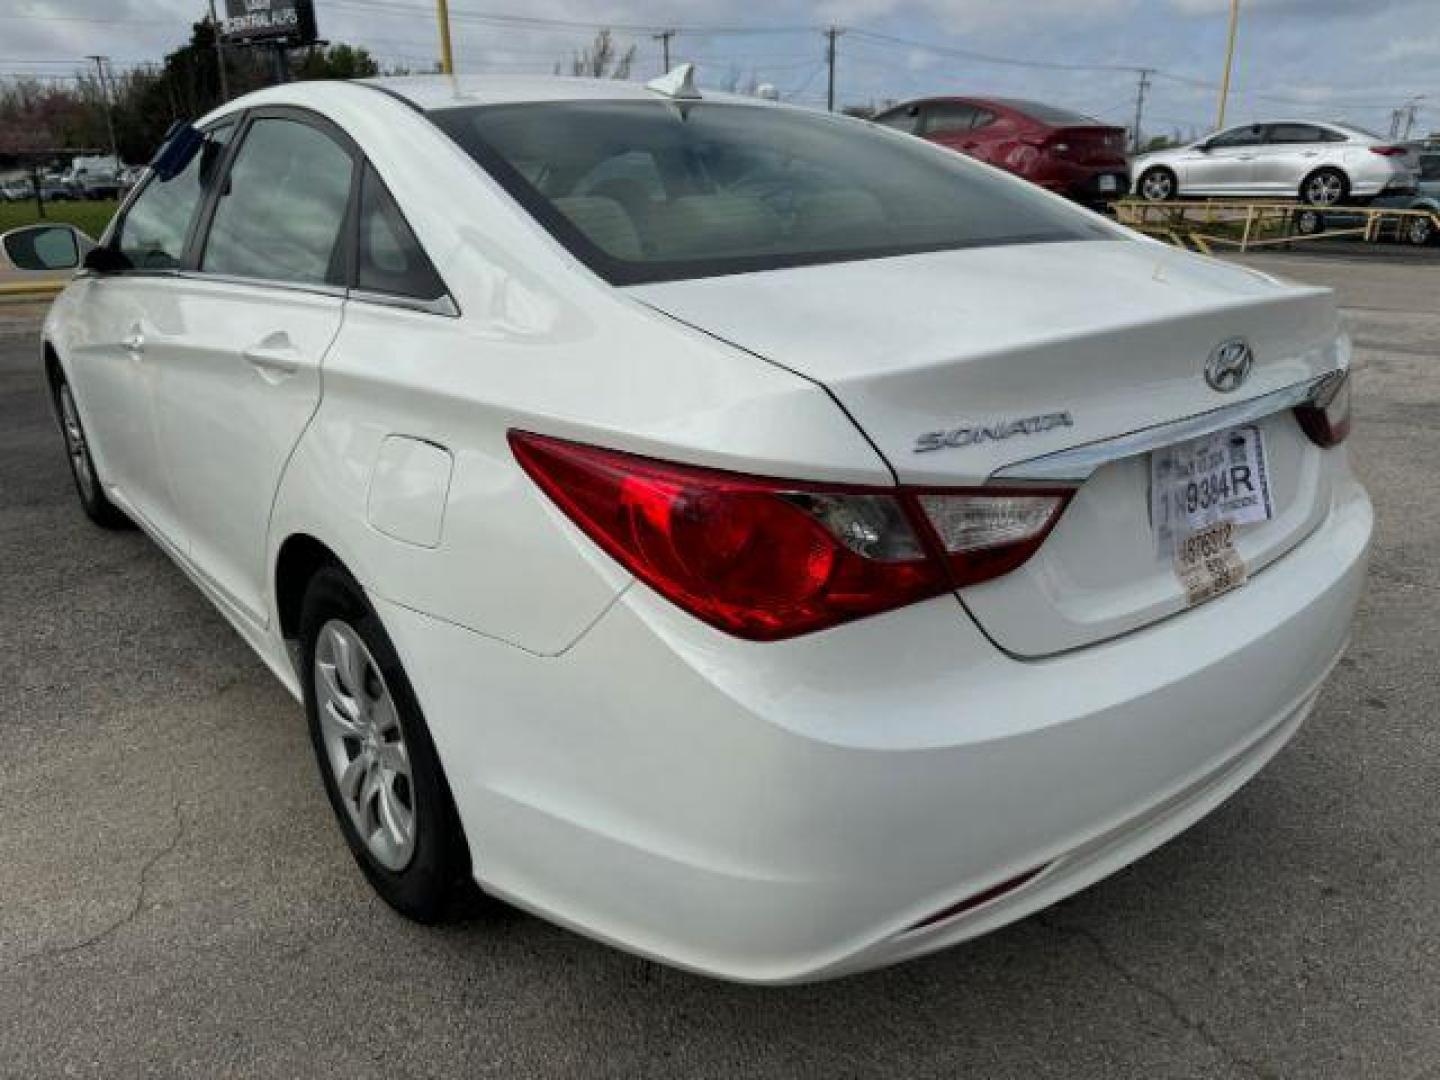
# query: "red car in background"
1064,151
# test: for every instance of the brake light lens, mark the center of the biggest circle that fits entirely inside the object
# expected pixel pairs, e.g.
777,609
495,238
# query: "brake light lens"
1326,417
766,559
1389,151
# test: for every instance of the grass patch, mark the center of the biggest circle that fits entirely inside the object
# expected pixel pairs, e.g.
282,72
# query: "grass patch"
90,217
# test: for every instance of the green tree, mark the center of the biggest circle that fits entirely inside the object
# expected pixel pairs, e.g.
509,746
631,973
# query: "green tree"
338,62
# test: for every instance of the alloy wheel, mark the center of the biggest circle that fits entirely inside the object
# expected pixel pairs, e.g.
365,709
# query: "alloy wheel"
1324,189
75,445
365,745
1156,186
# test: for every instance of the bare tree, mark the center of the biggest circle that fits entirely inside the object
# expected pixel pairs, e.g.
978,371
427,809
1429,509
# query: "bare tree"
602,59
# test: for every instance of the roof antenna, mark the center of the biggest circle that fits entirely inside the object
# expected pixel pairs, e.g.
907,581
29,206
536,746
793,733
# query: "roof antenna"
678,83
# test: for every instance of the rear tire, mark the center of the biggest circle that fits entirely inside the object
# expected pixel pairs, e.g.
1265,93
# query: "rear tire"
1309,222
1418,231
380,768
1157,185
91,492
1325,187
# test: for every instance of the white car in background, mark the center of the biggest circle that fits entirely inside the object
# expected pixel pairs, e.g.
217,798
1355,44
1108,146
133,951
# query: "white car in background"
750,536
1323,164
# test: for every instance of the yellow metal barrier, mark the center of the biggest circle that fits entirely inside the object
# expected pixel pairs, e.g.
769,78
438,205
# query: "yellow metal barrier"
1205,224
31,290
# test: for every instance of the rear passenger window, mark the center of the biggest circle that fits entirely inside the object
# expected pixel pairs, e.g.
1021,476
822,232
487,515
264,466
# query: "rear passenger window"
390,258
906,119
1294,133
152,236
281,214
949,116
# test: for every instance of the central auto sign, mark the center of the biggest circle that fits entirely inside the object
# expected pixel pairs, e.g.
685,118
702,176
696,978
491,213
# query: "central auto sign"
288,21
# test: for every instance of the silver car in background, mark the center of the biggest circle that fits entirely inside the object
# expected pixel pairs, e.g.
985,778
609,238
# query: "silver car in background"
1323,164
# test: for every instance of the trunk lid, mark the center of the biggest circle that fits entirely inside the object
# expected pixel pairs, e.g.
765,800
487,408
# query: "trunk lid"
1095,145
1113,335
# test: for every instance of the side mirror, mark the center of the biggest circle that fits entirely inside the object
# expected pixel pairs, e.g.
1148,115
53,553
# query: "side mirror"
43,247
1203,146
104,260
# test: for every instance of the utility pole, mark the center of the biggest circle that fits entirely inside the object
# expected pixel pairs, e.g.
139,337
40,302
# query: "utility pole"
1411,108
220,55
105,100
1229,62
664,37
447,57
830,36
1145,74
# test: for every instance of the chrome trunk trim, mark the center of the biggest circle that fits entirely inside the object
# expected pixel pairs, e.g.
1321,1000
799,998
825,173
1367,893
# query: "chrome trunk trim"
1079,463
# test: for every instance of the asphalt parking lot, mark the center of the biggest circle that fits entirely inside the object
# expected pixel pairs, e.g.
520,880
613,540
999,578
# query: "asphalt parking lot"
175,900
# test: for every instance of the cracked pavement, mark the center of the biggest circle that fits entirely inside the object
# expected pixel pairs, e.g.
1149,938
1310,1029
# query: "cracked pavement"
175,900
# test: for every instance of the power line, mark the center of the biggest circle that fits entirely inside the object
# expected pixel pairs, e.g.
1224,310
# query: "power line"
37,17
986,58
536,21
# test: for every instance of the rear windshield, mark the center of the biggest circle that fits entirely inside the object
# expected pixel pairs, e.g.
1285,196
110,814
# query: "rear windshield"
1049,114
657,191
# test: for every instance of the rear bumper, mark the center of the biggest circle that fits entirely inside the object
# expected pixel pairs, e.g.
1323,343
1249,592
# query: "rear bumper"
1381,177
1083,183
787,812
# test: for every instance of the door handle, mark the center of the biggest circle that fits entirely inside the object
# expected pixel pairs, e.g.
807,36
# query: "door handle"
273,356
134,341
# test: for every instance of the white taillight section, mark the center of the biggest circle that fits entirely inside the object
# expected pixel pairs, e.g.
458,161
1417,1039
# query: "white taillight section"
985,535
1326,417
975,522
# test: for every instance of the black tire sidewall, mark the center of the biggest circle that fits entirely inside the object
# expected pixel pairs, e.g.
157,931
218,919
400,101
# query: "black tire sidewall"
97,506
440,866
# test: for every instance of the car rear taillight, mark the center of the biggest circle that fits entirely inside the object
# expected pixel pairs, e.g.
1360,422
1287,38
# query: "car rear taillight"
1389,151
766,559
1326,416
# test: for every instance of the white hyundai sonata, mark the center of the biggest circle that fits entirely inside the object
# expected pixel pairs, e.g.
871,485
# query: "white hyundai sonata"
758,539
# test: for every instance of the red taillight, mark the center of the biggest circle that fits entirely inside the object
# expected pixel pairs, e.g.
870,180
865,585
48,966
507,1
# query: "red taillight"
767,559
1326,417
1389,151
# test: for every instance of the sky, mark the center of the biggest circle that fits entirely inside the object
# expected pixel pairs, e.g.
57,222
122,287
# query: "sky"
1338,59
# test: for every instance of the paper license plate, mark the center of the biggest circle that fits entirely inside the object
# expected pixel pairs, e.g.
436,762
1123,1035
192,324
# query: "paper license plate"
1109,183
1208,564
1219,479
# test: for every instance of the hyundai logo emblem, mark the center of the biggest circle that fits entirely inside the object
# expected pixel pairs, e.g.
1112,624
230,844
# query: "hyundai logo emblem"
1229,365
